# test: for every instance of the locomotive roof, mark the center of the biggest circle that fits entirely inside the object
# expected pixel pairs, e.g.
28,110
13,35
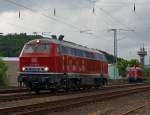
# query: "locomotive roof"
66,43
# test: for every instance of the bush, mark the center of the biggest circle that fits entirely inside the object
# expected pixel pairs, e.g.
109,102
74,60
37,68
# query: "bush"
3,69
146,73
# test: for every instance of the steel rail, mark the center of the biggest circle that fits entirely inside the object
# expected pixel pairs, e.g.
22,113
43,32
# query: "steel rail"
59,105
12,90
18,96
135,109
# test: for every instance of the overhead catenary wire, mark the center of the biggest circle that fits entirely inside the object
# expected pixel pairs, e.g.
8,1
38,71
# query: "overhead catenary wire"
49,17
125,2
20,17
62,18
85,31
19,25
59,19
109,14
115,19
32,10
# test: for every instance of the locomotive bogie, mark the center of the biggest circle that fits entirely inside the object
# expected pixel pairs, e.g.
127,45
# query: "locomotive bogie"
62,81
135,79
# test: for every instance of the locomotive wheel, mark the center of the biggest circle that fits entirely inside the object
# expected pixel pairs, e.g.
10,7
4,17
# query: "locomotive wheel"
99,83
65,84
54,90
37,91
76,84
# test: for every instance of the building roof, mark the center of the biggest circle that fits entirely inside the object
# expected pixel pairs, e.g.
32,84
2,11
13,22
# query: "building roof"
9,58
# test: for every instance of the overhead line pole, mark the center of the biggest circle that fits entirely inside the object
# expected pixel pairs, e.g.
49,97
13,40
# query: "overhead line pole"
115,52
115,62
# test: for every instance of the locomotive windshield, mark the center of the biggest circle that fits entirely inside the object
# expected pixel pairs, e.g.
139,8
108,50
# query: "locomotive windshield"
36,48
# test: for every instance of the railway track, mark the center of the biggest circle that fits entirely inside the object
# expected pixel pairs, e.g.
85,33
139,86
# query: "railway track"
18,90
68,103
28,95
12,90
135,109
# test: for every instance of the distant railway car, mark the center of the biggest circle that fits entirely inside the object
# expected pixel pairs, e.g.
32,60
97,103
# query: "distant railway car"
58,64
135,74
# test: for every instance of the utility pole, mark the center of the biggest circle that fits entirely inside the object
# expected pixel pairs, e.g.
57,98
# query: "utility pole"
115,49
115,52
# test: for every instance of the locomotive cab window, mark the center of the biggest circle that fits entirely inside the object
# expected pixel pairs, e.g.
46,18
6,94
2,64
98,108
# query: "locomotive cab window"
37,48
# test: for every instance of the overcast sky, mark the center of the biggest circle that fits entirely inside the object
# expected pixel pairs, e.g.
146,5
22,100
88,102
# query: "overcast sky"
80,24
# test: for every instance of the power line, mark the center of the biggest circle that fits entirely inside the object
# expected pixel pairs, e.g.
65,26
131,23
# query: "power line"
64,19
49,17
27,27
32,10
110,15
127,2
81,31
20,5
115,19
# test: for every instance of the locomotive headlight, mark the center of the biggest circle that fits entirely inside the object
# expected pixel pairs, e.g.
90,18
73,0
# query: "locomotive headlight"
46,69
23,68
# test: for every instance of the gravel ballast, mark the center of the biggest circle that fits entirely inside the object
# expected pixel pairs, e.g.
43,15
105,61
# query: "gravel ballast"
115,106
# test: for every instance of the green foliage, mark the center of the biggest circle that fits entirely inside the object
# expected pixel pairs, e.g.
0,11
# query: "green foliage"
134,62
122,67
11,44
146,73
3,69
123,64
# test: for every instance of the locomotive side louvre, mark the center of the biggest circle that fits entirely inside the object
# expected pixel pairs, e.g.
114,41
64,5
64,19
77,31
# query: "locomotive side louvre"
68,65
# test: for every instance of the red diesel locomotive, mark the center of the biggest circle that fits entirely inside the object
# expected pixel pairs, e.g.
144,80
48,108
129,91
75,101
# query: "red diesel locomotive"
135,74
58,64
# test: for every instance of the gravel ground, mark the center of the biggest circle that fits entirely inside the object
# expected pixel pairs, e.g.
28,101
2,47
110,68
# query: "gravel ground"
50,98
142,111
112,107
106,107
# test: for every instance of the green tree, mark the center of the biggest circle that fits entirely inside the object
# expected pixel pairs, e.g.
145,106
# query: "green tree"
134,62
146,73
11,44
122,66
3,69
